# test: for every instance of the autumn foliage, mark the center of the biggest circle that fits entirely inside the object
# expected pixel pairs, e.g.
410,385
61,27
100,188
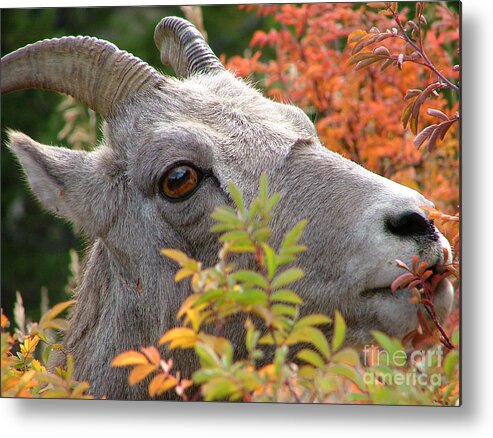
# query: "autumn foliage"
381,83
351,69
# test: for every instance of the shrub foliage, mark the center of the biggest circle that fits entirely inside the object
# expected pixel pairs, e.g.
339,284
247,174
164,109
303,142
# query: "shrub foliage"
380,82
289,358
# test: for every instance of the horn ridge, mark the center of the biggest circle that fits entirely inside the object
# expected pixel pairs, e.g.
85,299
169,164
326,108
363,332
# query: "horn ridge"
183,47
90,69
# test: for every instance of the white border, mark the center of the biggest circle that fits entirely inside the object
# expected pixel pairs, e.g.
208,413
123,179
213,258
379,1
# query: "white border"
62,418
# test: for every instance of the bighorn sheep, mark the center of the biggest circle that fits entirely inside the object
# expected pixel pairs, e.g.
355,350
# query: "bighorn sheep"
170,147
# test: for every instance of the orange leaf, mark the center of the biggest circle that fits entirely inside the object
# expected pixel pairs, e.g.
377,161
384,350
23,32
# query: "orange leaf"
129,358
355,36
152,354
160,384
140,372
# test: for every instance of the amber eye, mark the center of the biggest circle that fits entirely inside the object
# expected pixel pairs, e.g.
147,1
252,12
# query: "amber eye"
180,181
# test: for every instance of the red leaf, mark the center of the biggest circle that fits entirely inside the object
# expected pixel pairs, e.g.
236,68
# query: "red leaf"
423,135
402,281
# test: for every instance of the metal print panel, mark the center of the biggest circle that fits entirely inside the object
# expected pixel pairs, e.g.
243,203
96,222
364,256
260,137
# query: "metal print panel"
265,200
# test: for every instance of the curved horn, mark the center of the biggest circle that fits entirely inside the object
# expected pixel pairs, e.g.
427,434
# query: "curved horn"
92,70
182,46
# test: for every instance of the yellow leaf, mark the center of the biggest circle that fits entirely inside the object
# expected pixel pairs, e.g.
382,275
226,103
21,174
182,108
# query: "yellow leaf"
29,345
129,358
169,383
140,372
176,333
183,273
178,256
187,304
80,389
54,312
185,342
196,318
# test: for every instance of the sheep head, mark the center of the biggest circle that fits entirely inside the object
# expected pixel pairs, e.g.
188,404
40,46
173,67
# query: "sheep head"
170,147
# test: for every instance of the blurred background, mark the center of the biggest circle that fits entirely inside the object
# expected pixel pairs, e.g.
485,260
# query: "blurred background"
35,245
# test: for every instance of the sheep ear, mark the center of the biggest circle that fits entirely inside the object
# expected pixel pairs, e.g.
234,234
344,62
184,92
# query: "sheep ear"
64,181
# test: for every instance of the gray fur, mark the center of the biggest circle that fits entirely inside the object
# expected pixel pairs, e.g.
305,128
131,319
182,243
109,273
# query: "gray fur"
127,297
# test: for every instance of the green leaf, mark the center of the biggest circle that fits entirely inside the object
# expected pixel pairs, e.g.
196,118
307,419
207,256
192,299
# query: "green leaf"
219,389
263,189
227,356
250,277
279,359
311,357
46,354
312,335
286,296
209,297
286,277
262,234
237,198
347,356
273,200
208,358
251,338
292,250
339,331
456,337
235,235
349,373
254,210
450,363
226,214
392,346
251,297
223,226
356,396
270,260
206,374
315,319
283,309
307,372
266,340
242,247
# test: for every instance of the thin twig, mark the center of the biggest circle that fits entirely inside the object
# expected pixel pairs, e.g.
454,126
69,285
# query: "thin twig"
445,339
422,53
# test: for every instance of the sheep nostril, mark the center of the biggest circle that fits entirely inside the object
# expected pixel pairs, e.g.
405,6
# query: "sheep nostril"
411,223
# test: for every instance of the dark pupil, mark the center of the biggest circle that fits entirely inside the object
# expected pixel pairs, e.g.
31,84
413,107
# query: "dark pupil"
178,177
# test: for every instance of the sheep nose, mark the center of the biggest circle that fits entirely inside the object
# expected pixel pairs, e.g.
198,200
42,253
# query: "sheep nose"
411,223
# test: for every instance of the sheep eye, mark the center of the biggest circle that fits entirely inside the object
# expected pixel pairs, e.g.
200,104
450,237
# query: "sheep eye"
179,182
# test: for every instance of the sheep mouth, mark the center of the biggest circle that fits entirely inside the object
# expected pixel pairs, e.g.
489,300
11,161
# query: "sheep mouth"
387,290
377,291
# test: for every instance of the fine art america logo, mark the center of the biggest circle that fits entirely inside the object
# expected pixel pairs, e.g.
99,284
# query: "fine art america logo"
417,367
